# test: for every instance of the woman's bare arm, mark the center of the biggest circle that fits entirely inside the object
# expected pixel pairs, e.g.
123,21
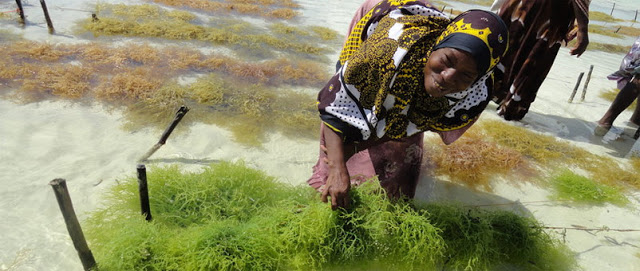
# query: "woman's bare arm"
582,38
338,182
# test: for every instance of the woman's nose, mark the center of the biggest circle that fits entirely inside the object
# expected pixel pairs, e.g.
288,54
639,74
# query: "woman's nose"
448,75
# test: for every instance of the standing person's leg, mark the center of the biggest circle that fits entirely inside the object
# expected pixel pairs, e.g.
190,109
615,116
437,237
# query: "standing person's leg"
635,118
624,98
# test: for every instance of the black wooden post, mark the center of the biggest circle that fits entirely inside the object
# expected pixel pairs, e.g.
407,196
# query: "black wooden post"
575,89
144,192
64,201
20,11
46,16
586,84
165,135
614,7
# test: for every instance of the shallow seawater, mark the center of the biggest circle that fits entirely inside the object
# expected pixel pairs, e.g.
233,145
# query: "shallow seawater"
86,143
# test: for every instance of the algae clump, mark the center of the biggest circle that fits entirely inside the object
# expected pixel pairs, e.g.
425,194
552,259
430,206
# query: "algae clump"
232,217
570,186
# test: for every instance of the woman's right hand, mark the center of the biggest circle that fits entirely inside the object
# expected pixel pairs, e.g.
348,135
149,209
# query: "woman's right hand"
338,184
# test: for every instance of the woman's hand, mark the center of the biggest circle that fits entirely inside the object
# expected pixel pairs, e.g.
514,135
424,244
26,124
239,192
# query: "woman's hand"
338,184
581,44
582,19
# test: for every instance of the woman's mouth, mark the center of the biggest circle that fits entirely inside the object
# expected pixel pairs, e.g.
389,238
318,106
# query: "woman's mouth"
439,87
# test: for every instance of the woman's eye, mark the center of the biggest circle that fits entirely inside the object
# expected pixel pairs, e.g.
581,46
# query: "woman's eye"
447,61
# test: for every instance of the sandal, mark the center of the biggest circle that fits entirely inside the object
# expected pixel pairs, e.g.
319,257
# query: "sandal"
601,130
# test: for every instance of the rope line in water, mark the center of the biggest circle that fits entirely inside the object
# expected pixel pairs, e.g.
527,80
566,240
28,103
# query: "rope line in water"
581,228
573,227
516,202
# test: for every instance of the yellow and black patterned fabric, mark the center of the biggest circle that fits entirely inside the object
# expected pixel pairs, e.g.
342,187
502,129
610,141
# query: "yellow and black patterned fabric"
379,90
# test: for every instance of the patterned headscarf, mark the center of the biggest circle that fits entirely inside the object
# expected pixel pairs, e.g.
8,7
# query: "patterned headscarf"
380,88
481,33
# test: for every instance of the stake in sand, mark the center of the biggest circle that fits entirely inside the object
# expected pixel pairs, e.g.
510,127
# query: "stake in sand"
73,226
144,192
20,12
586,84
46,16
575,89
181,112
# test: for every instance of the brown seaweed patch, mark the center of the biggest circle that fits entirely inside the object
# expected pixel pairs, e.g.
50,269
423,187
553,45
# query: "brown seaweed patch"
63,80
35,50
209,91
474,161
283,3
627,30
297,114
267,9
602,30
246,97
284,29
602,17
283,13
609,172
297,72
635,163
162,26
129,84
551,153
324,32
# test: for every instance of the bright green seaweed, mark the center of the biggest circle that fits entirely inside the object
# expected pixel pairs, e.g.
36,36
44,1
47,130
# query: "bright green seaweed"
231,217
570,186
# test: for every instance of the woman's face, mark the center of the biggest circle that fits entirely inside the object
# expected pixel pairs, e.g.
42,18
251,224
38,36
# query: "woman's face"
449,70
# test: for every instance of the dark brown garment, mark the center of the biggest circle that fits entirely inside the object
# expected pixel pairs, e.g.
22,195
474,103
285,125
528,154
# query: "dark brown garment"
536,30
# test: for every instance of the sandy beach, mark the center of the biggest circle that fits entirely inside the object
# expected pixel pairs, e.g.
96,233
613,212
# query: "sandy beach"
87,145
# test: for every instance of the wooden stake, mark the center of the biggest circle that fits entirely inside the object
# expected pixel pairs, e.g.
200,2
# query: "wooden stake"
575,89
66,207
20,11
586,84
181,112
635,18
46,16
144,192
614,7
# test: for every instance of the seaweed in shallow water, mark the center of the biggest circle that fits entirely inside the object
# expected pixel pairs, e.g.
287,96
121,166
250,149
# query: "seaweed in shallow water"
570,186
231,217
473,160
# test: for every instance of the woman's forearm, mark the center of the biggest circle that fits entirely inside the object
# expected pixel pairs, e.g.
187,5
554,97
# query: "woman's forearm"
335,147
582,18
338,182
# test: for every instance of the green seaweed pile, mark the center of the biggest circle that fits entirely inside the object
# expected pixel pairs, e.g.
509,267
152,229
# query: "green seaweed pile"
231,217
570,186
